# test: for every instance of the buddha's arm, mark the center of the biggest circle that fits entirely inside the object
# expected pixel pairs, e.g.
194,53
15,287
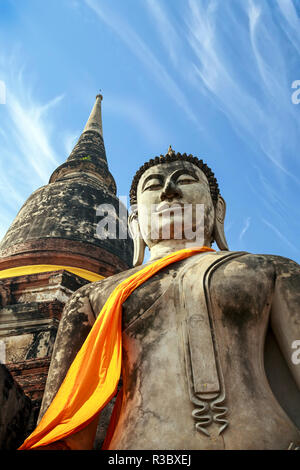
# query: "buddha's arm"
76,322
285,313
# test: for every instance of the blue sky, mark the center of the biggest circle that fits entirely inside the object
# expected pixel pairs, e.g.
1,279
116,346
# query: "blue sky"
210,77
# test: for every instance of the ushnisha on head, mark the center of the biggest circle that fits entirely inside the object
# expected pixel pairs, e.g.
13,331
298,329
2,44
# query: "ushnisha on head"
181,194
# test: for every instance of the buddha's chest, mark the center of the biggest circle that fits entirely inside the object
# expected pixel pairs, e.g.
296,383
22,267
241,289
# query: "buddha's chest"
235,294
192,345
200,321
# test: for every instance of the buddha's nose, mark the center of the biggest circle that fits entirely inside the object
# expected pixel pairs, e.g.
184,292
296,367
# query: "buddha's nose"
170,191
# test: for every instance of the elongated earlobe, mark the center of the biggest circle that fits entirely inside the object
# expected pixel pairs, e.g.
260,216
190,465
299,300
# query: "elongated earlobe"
219,234
138,243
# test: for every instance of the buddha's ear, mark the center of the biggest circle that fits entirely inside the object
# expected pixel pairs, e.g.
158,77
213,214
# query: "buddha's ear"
219,234
138,243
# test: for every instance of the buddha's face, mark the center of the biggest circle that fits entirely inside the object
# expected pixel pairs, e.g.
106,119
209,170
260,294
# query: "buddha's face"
174,202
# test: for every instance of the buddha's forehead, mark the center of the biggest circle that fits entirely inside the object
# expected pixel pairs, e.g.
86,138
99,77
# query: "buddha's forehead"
167,169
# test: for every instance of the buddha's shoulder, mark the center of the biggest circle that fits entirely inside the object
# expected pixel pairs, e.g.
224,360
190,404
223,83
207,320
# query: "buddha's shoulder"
261,261
117,278
97,292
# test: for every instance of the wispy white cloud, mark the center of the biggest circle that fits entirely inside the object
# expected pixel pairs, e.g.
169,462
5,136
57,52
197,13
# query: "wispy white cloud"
166,29
255,96
245,228
272,68
215,71
141,50
289,12
270,197
30,134
280,235
282,210
70,140
133,111
28,155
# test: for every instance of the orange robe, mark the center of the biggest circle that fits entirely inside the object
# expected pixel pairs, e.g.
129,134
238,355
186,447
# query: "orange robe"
93,376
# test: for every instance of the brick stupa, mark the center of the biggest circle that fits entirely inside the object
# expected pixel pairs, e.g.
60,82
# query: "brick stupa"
56,226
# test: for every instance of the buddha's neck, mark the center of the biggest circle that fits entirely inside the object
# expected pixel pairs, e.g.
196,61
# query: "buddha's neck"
165,247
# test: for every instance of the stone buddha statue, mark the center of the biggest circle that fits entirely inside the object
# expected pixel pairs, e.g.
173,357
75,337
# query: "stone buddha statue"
194,334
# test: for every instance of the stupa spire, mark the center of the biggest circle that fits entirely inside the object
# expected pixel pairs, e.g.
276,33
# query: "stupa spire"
89,154
90,144
59,221
94,122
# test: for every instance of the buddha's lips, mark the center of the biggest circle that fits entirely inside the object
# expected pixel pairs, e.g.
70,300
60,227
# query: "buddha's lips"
163,207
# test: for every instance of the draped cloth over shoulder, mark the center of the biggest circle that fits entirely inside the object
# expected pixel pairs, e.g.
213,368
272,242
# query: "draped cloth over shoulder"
93,377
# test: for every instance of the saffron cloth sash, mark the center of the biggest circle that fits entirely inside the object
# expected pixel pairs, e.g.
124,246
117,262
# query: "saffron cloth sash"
93,376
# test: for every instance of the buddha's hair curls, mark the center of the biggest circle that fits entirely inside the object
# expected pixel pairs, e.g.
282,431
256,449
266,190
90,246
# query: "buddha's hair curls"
172,157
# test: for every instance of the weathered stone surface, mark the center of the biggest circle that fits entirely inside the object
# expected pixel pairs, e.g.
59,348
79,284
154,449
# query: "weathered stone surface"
15,411
63,253
194,335
74,326
154,362
91,146
158,400
31,375
28,328
58,222
65,210
29,325
280,379
57,225
103,425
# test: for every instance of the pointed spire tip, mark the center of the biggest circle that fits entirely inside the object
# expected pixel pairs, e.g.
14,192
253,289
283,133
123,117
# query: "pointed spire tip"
94,122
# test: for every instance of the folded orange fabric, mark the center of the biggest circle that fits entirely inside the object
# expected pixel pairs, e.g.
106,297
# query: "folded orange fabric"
93,376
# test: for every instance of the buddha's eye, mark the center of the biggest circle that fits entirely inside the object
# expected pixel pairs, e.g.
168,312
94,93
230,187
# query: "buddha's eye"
153,184
185,179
